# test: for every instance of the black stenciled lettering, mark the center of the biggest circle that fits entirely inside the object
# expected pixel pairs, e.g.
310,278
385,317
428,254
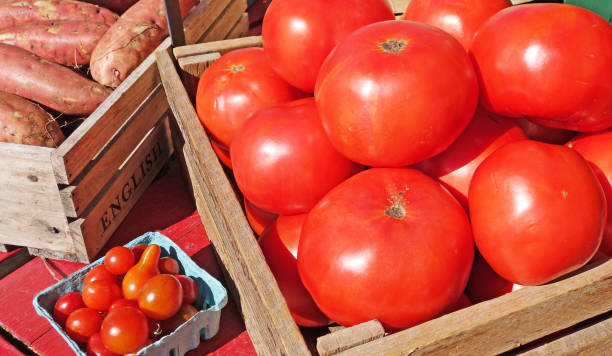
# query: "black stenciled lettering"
115,207
105,221
127,196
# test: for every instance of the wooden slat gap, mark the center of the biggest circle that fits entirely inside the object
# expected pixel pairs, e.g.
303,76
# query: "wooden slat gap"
222,47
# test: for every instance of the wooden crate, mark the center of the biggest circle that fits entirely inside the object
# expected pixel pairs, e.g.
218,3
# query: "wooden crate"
66,202
543,317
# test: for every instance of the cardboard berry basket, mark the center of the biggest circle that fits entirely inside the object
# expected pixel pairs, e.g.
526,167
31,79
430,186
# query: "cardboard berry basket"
66,202
569,316
212,297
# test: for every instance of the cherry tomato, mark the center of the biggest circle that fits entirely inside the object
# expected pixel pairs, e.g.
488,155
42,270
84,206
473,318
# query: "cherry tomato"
258,218
544,134
283,161
65,305
549,62
298,35
596,148
361,93
190,288
184,313
95,347
82,323
161,297
537,211
138,250
119,259
234,87
99,273
456,165
99,295
461,19
138,275
387,243
122,303
125,330
279,244
168,265
484,283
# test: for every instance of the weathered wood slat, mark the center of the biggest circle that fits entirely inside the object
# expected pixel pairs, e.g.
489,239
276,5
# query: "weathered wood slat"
346,338
266,315
224,23
197,64
196,26
241,28
217,46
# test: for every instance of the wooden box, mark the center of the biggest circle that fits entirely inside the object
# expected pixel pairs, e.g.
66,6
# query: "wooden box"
568,317
66,202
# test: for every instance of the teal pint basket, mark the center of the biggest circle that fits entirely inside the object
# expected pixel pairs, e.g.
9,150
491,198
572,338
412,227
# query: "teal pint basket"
212,297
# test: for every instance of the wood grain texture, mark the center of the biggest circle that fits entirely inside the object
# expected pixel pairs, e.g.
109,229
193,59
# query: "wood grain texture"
217,46
197,64
225,22
209,10
506,322
346,338
266,315
399,6
241,28
595,340
31,212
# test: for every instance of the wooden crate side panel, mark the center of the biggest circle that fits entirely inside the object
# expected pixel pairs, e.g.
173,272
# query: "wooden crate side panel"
31,212
345,338
217,46
399,6
267,318
196,65
506,322
196,26
241,28
78,197
133,178
225,22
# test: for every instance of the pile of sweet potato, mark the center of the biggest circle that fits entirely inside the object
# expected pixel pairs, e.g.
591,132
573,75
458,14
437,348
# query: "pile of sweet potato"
49,47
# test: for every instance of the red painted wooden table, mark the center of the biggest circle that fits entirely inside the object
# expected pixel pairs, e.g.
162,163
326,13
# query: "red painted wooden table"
166,207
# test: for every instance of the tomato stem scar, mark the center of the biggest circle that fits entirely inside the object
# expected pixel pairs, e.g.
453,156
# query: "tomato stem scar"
396,210
392,46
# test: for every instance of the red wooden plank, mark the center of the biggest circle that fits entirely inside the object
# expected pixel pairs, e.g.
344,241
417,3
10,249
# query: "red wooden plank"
6,349
5,255
51,344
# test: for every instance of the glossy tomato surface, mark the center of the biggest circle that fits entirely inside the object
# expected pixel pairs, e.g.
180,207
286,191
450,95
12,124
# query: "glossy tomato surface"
484,283
190,288
283,161
234,87
65,305
124,330
387,243
279,244
362,93
161,297
100,273
549,62
596,148
119,259
460,18
82,323
258,218
122,303
298,35
537,211
99,295
456,165
95,347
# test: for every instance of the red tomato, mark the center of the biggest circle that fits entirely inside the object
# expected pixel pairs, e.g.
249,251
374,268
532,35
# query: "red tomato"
99,273
461,18
190,288
283,162
549,62
456,165
235,86
185,313
279,243
138,250
141,272
361,93
544,134
82,323
484,283
122,303
392,243
258,218
119,259
298,35
65,305
95,347
99,295
124,330
222,153
596,148
537,210
168,265
161,297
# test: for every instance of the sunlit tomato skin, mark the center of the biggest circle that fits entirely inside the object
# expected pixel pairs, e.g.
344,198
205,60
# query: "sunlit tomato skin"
82,323
65,305
235,86
537,211
161,297
138,250
283,161
484,283
362,88
596,148
387,243
95,347
141,272
460,18
258,218
99,295
544,134
122,303
455,166
298,35
190,288
99,273
549,62
279,244
124,330
119,259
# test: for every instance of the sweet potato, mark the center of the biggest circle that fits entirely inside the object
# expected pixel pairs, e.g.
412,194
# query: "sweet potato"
117,6
27,75
64,42
130,40
19,12
26,123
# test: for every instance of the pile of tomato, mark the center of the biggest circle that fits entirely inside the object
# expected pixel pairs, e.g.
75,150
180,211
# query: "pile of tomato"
132,299
401,169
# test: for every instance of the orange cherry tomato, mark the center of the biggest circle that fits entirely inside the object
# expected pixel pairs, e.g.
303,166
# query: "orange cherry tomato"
161,297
